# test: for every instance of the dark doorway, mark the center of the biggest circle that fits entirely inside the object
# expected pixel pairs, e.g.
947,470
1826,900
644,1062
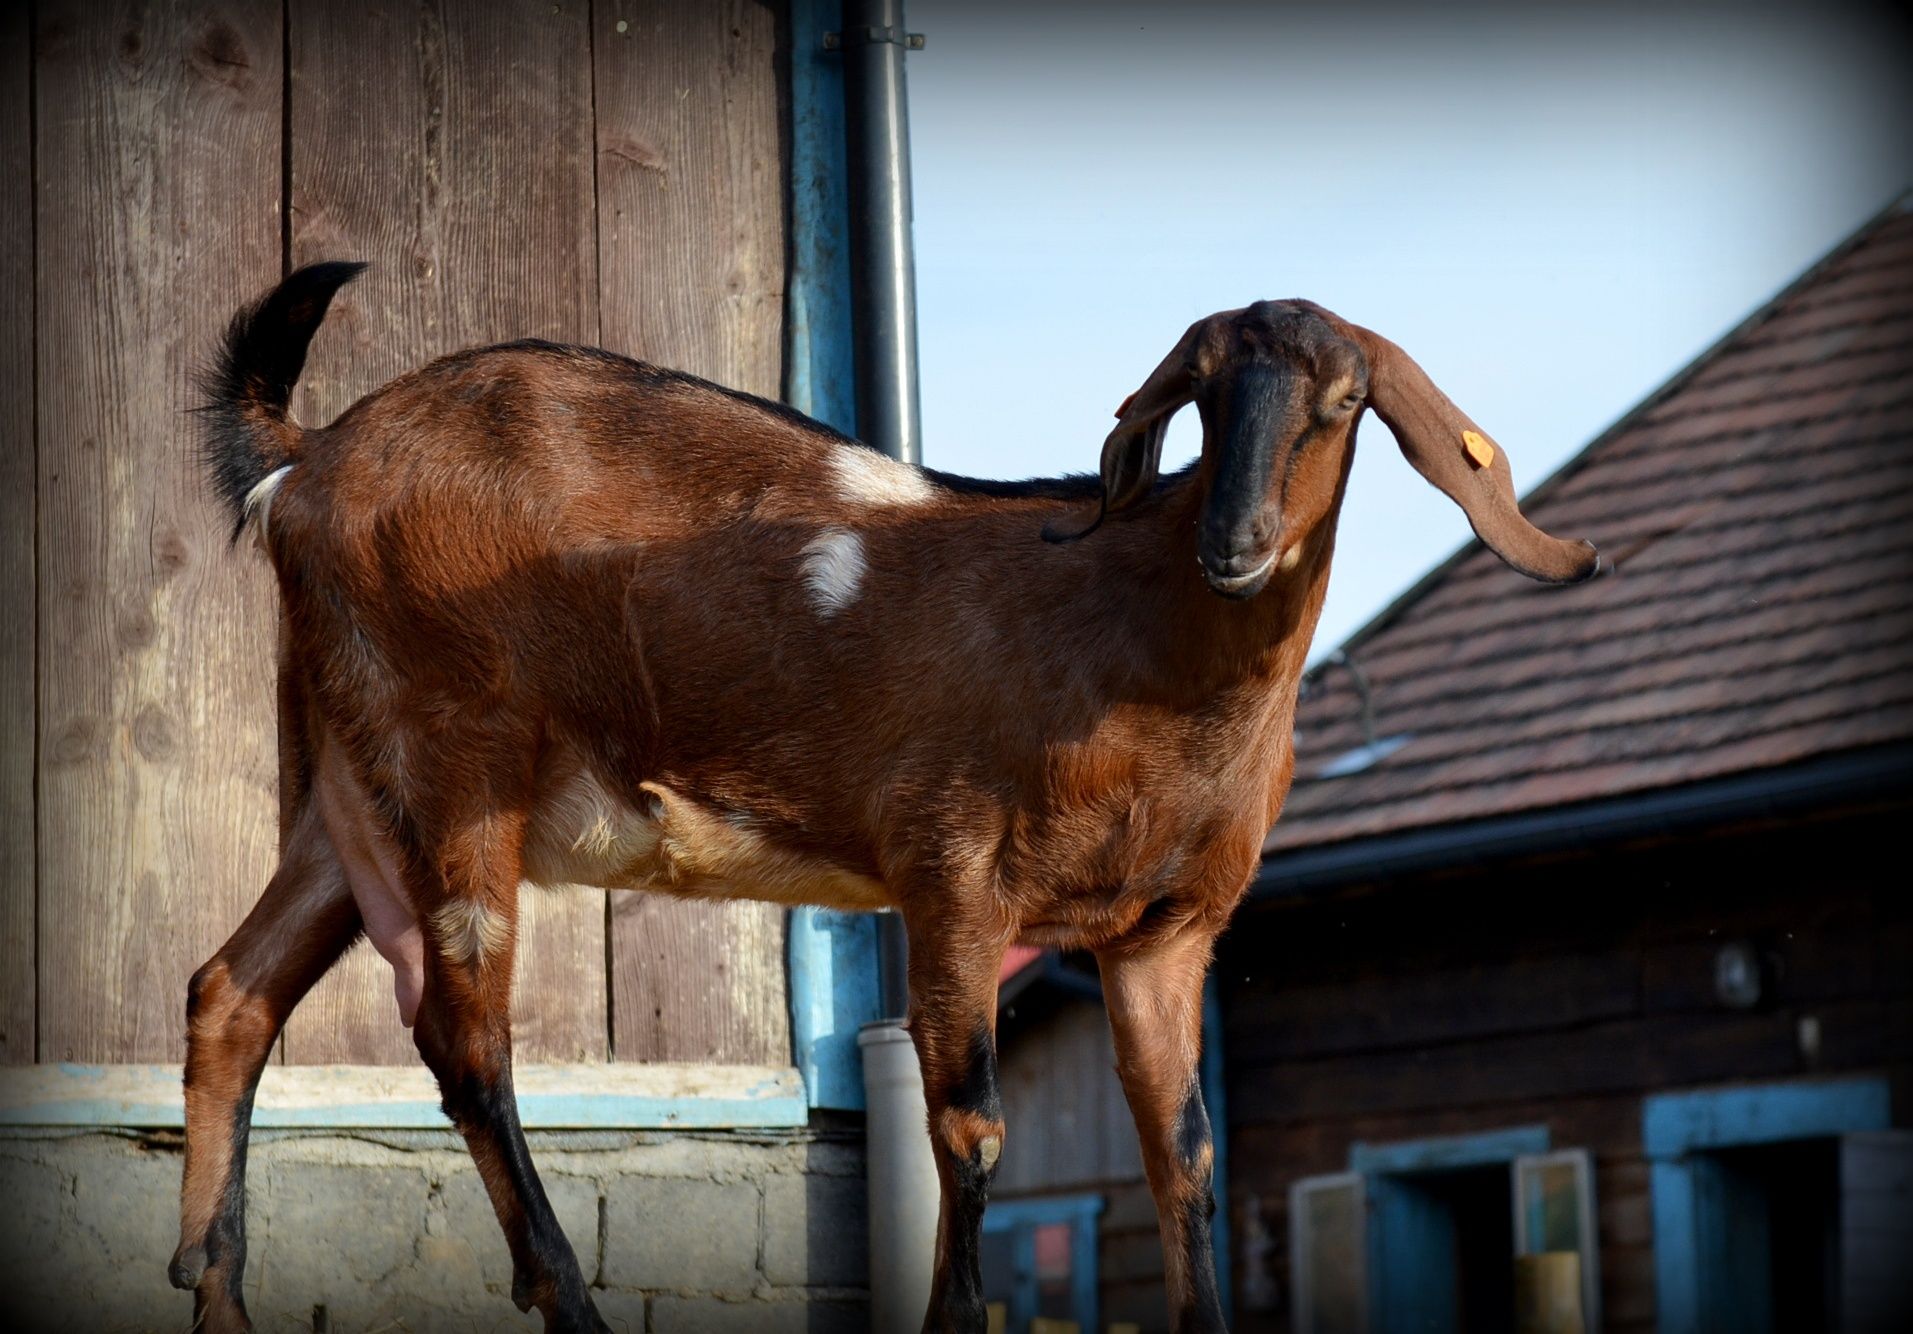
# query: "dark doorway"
1445,1243
1769,1226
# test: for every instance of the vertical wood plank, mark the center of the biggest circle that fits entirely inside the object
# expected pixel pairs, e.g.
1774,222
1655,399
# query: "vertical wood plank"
16,547
450,146
691,262
157,212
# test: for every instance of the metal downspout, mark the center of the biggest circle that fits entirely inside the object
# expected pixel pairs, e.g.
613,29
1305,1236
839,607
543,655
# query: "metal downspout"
905,1196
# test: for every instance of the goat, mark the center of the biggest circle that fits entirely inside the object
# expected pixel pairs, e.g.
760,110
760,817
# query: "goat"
550,615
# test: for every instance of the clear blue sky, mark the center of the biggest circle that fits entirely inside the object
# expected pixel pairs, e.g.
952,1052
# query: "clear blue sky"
1552,210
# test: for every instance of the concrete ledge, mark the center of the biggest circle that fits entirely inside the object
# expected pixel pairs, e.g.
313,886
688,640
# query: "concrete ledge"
550,1097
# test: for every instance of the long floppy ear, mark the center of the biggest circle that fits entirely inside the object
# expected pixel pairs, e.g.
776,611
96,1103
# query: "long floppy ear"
1446,446
1132,453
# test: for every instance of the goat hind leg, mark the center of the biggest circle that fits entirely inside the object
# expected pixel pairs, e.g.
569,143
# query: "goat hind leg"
464,1034
236,1005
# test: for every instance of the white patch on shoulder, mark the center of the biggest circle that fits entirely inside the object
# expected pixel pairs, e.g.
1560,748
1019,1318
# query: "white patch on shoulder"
468,931
256,509
834,569
864,475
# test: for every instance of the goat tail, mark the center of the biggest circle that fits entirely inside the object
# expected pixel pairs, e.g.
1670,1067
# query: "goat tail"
249,434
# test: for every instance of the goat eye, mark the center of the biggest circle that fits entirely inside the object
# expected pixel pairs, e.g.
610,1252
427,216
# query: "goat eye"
1351,402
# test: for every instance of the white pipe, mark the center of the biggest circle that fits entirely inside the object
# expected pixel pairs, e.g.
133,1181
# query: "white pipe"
902,1177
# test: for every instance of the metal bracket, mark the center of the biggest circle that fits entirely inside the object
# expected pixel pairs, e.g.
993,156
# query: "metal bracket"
871,36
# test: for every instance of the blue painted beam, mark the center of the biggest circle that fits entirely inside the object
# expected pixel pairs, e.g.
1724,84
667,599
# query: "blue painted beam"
1448,1151
1674,1123
832,955
1677,1132
1214,1098
820,370
593,1097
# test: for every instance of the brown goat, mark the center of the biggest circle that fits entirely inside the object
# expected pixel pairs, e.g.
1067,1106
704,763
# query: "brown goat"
554,616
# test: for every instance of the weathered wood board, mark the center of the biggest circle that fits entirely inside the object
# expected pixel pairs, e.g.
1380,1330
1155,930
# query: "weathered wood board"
510,170
451,148
16,548
156,192
691,272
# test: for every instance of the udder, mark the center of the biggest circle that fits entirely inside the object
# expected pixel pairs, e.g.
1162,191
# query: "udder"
372,871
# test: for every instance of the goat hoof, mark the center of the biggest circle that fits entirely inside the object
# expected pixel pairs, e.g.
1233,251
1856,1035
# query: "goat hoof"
188,1266
587,1322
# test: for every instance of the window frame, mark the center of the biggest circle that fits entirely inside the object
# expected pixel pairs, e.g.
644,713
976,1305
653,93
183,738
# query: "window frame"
1301,1291
1020,1218
1582,1160
1676,1127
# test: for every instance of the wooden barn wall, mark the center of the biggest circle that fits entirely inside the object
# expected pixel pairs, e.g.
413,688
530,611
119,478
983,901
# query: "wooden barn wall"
17,591
1069,1131
1068,1125
1558,994
584,170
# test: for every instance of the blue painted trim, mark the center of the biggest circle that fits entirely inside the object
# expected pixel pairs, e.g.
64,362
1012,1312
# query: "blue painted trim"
833,993
1675,1126
1412,1271
149,1097
598,1112
1676,1248
1215,1099
1411,1244
1021,1218
1674,1123
1448,1151
833,956
820,366
1003,1215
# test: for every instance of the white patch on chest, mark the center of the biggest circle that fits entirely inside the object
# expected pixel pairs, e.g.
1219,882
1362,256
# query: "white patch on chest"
834,569
581,833
863,475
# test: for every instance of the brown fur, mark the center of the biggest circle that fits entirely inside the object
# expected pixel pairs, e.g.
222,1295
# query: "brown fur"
547,611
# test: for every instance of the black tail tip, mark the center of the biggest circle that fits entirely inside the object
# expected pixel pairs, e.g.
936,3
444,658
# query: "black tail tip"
248,386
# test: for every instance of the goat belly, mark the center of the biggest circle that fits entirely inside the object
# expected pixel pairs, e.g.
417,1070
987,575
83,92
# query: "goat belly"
584,834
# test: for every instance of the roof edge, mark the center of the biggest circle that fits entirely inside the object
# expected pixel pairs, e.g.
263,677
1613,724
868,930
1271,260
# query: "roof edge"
1381,620
1766,792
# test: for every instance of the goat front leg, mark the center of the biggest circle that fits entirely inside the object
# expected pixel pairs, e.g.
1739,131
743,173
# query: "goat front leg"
235,1006
1154,997
464,1034
953,975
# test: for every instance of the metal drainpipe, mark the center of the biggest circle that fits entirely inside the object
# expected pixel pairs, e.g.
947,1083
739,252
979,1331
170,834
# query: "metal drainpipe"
901,1174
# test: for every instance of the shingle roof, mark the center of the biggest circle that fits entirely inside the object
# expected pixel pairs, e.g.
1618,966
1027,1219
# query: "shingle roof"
1758,512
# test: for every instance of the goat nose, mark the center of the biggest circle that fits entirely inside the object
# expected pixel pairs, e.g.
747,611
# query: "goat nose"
1231,561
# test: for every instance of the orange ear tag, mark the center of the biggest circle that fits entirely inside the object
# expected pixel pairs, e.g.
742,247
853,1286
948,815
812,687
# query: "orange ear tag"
1123,411
1478,448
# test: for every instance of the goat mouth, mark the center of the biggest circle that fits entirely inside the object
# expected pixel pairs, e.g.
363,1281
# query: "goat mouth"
1241,585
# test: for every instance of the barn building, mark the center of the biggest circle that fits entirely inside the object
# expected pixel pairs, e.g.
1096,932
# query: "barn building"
1575,992
1577,985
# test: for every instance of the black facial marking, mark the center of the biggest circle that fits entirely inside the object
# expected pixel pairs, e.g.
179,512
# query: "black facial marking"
1252,414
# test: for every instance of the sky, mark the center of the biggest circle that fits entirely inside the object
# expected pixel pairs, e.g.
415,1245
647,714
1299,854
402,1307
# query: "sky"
1552,209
